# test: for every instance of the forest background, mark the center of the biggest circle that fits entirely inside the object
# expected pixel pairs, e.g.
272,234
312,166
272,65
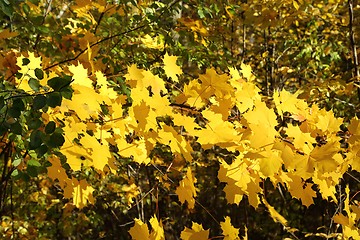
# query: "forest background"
179,119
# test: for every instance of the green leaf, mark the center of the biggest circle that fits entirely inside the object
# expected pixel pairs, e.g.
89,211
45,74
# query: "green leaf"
26,8
56,140
43,29
201,13
41,150
39,73
57,83
50,127
34,84
35,139
39,102
38,20
6,8
32,171
16,162
34,123
54,99
25,61
2,102
15,173
67,92
14,112
33,162
18,104
16,128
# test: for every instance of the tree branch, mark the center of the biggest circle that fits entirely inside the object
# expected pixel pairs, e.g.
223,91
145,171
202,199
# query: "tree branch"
353,46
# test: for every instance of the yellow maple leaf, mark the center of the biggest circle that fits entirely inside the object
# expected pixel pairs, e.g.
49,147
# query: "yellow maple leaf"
85,102
186,121
238,171
80,75
246,72
326,157
82,193
186,191
354,129
104,89
157,232
137,149
171,68
287,102
270,163
156,83
76,155
146,118
328,123
56,171
177,143
28,70
217,132
253,191
139,231
229,232
350,231
301,190
262,122
194,94
235,76
302,141
134,76
7,34
233,193
246,94
81,8
217,83
156,42
326,184
196,232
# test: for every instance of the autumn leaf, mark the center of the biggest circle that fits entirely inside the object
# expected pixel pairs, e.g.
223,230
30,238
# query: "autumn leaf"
262,122
28,66
217,84
350,231
157,232
229,232
246,72
171,68
186,191
302,140
195,233
287,102
80,75
301,190
327,157
246,94
56,171
156,42
134,76
194,94
7,34
139,231
81,193
217,132
104,88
